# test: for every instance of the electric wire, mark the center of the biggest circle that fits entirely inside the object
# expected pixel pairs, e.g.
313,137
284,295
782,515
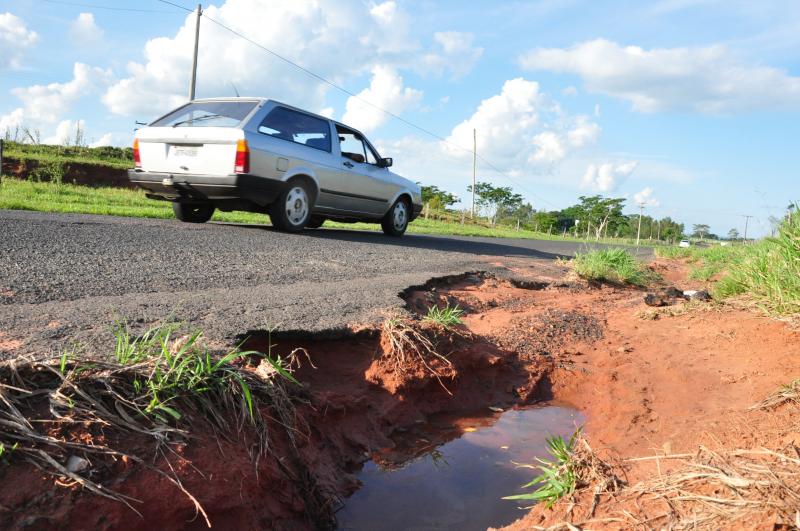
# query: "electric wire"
366,102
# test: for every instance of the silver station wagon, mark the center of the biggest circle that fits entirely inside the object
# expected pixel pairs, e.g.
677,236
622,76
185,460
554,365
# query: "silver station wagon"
263,156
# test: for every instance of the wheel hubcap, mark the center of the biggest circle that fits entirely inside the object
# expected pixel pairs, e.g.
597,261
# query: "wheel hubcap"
296,205
400,215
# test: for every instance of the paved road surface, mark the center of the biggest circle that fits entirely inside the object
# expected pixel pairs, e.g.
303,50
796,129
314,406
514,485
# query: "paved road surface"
67,278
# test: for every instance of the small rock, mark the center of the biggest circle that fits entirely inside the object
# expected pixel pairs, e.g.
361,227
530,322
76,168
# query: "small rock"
651,299
672,291
77,464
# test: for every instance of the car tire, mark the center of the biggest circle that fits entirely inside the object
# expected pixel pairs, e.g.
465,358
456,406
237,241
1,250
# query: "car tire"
395,222
291,212
192,212
315,222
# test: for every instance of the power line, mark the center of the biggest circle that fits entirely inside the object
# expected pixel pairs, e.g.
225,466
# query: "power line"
366,102
109,8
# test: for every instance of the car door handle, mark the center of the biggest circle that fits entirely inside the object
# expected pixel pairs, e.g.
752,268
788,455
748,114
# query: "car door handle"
348,164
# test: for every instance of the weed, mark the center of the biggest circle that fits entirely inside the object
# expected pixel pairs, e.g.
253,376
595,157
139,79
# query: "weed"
612,265
558,478
787,393
447,316
7,451
408,346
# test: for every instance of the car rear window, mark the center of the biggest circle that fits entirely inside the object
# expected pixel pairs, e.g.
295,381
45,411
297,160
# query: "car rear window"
297,127
207,114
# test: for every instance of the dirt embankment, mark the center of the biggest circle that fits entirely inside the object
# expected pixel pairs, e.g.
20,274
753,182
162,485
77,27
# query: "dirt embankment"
68,172
649,382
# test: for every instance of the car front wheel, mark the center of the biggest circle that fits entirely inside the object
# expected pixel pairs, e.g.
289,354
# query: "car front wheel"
291,212
395,222
192,213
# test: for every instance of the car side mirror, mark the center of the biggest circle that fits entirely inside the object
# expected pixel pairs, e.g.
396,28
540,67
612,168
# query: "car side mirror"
385,162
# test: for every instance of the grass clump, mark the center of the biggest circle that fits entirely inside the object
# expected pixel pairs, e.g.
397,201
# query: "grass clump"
558,478
768,273
574,465
158,388
446,317
612,265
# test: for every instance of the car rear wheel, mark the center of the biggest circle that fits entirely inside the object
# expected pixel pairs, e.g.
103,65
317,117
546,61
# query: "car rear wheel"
395,222
315,222
192,212
291,212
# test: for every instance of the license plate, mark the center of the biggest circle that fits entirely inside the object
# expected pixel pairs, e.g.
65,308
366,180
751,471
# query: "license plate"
184,151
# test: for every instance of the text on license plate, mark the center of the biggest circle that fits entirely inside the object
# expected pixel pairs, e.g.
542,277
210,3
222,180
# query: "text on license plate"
182,151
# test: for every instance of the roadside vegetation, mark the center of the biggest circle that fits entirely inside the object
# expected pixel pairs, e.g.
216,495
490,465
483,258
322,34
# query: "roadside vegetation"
159,386
612,265
766,273
446,317
76,151
58,197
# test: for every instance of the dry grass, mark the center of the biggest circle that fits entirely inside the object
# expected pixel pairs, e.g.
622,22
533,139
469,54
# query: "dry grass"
408,346
789,393
679,309
724,488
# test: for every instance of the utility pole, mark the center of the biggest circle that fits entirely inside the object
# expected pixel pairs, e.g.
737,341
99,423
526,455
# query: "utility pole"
1,160
639,230
659,231
474,163
746,222
194,58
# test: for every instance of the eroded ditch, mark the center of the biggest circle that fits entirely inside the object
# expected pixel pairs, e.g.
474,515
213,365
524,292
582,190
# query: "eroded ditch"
358,406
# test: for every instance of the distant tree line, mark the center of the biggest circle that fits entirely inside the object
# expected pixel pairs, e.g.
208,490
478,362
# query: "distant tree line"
592,216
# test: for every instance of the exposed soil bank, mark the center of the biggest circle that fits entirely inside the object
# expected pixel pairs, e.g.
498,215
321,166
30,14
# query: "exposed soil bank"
648,383
81,173
356,401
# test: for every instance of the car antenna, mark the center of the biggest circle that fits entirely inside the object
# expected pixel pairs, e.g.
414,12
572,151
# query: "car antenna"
234,88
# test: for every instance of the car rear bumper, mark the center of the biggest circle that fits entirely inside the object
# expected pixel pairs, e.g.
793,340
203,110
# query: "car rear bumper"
191,187
415,212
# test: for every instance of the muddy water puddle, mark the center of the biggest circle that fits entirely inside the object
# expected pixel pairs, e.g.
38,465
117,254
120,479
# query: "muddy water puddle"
459,470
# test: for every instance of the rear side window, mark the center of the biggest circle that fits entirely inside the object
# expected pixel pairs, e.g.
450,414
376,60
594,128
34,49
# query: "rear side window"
297,127
207,114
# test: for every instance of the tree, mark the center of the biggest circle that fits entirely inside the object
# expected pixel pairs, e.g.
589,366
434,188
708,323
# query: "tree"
733,234
495,199
700,230
598,213
545,221
437,199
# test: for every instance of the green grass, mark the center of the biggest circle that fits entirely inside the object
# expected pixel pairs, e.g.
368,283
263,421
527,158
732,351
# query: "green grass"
16,194
611,265
182,368
121,158
558,477
447,316
768,272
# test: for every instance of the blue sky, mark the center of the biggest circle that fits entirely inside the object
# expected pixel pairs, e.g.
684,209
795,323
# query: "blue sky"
689,106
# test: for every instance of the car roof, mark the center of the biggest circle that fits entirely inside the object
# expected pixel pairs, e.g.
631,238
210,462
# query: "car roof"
282,104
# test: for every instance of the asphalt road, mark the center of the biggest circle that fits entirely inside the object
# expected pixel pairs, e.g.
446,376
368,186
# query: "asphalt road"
66,279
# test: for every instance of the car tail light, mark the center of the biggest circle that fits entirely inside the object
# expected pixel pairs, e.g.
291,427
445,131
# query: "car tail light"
242,157
137,160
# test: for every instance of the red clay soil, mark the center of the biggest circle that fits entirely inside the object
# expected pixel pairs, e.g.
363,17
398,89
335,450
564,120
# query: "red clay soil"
646,385
81,173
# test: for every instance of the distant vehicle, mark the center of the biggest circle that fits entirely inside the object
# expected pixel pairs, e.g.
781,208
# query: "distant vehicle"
685,243
259,155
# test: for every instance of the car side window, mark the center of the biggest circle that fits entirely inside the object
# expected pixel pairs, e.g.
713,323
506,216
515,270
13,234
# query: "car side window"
352,145
297,127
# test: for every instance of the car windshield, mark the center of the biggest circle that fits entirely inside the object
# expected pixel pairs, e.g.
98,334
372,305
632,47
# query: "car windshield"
207,114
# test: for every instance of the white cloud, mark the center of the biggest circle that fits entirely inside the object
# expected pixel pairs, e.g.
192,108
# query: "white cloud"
569,91
455,53
522,129
607,177
85,31
385,91
12,121
105,140
66,133
327,112
47,103
340,40
645,197
15,39
584,132
704,79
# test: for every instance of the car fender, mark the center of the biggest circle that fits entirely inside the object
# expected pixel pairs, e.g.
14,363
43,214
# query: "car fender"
302,171
398,193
